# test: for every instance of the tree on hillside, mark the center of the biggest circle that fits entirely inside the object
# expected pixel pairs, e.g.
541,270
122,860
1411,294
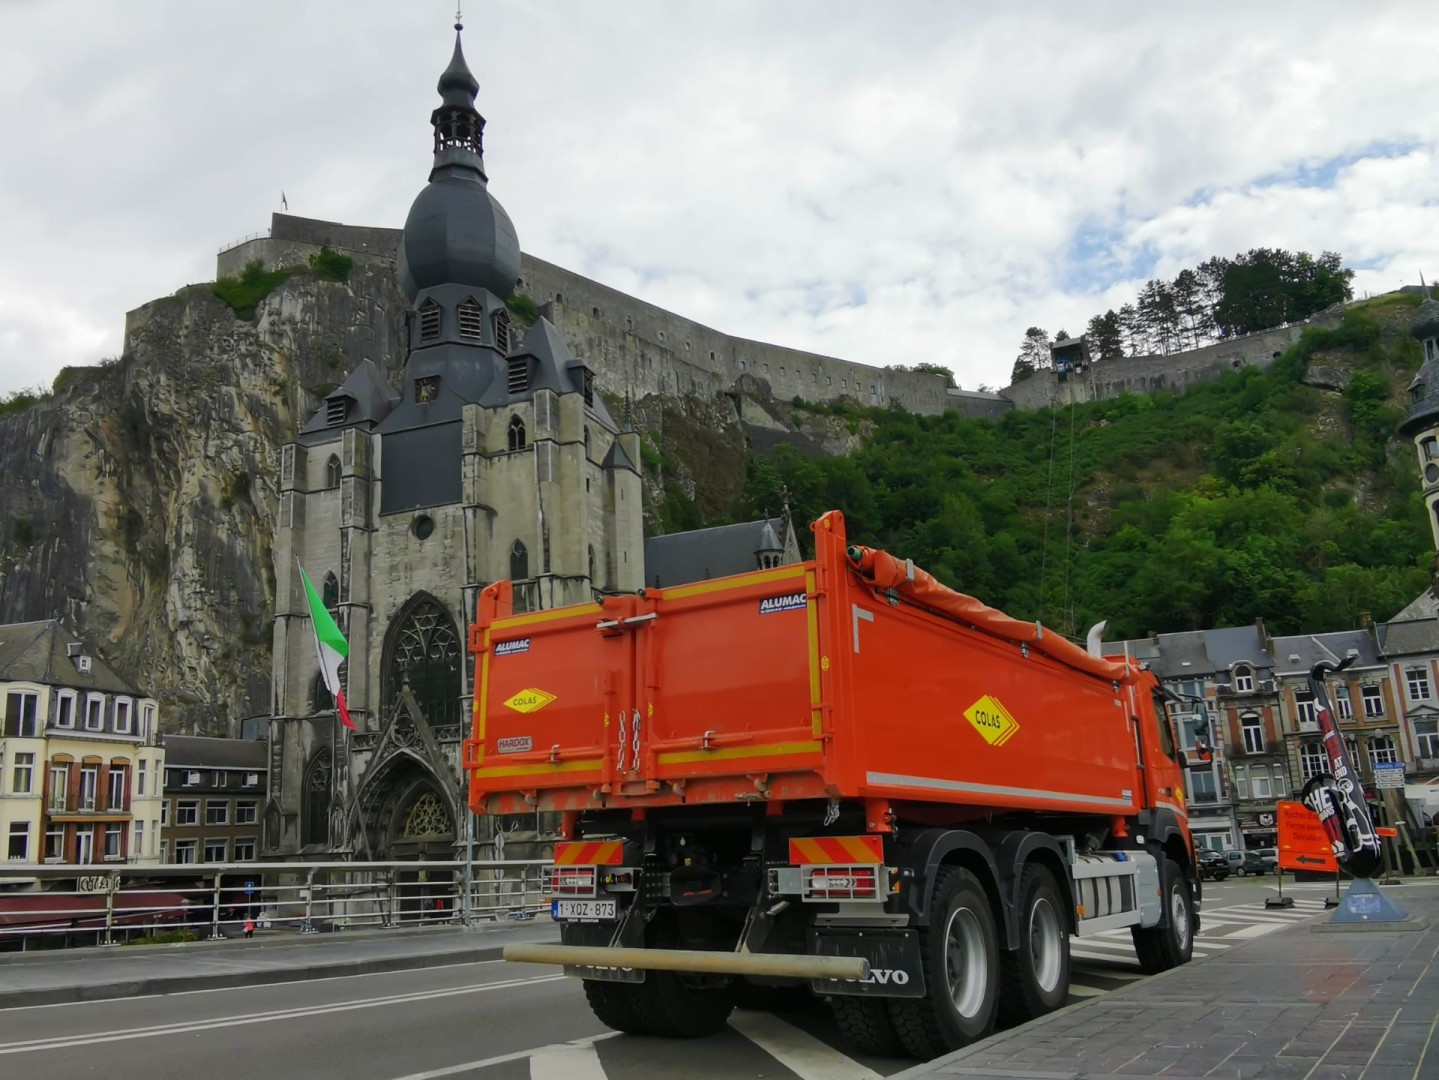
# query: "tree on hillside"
1105,339
1267,287
1034,350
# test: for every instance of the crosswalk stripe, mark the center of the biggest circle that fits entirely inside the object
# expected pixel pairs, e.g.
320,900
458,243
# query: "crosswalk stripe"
566,1063
1080,990
799,1051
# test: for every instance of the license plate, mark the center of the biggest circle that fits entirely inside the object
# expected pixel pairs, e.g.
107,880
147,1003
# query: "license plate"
584,910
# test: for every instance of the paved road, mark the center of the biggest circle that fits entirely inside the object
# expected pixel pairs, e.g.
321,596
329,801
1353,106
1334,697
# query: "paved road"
493,1021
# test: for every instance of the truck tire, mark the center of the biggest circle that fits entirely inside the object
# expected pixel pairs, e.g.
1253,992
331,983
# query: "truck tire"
619,1006
866,1025
961,971
1167,946
670,1005
1034,978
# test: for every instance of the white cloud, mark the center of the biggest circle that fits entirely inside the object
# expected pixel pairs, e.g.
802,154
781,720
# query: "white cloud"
920,181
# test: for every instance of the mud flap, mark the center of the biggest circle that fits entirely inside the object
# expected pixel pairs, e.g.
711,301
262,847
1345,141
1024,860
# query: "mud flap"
575,933
895,965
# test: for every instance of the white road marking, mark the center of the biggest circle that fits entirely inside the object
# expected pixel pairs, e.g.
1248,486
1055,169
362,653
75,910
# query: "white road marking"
124,1035
799,1051
1078,990
1257,930
566,1063
501,1059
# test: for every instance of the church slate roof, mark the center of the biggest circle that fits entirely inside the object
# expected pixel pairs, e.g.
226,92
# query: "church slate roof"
680,558
371,399
618,459
554,368
203,752
37,652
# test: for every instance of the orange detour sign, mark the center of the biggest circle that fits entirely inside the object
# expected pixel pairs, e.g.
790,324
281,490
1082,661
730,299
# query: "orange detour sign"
1302,842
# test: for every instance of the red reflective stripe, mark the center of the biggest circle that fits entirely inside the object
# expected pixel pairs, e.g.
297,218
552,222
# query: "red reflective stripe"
831,850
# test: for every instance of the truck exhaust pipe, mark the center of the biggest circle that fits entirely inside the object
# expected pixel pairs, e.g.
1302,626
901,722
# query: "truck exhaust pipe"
1096,635
772,965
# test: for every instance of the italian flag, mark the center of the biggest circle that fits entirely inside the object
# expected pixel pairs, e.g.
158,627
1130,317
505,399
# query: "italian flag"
332,648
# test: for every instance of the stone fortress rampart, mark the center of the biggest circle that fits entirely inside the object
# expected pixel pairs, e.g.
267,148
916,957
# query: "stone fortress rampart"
642,349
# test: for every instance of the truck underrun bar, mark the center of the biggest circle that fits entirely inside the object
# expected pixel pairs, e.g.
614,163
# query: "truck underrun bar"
773,965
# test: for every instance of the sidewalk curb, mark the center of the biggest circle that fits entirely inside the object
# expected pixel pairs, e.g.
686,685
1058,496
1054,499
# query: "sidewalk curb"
175,984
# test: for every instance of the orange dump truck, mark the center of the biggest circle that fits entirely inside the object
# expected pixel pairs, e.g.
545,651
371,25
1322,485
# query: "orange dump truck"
837,777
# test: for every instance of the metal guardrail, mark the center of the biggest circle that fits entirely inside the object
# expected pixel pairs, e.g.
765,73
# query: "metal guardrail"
56,905
263,234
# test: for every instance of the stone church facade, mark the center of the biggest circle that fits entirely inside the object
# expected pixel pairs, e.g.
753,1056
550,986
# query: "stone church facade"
496,459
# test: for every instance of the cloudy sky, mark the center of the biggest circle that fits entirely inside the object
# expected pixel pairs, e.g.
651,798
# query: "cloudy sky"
886,183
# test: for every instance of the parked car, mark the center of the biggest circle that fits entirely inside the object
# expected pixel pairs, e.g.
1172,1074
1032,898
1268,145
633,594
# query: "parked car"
1213,864
1245,862
1271,859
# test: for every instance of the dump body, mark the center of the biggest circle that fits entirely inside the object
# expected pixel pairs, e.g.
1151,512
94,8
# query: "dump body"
851,676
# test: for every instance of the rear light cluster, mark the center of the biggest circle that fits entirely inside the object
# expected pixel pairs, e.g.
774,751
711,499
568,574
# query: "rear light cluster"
841,883
571,880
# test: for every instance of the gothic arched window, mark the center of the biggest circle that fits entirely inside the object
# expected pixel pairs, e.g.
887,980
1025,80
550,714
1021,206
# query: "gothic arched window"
332,472
516,433
330,592
320,698
519,561
545,550
425,651
315,821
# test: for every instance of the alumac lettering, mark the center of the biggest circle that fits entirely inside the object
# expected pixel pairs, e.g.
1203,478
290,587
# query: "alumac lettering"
773,604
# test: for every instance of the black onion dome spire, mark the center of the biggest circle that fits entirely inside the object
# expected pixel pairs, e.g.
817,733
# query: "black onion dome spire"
1426,320
457,233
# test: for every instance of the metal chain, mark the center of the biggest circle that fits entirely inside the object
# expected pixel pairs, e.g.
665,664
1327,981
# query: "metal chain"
637,738
621,764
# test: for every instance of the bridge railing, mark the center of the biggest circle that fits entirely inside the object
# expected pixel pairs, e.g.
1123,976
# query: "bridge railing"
58,905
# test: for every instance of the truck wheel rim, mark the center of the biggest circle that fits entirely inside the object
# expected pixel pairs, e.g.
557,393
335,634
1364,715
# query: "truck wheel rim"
964,963
1044,945
1179,917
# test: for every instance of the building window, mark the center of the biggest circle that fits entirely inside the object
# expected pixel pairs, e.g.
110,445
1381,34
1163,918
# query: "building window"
185,850
1201,786
117,791
123,707
94,712
1382,750
519,561
1304,707
1426,738
192,778
65,709
1373,697
1417,679
85,845
247,813
216,851
155,838
1253,729
472,319
187,812
317,800
1429,445
1259,784
426,650
245,850
252,779
22,709
1243,680
165,812
588,387
332,472
22,774
89,786
217,812
429,320
142,777
337,408
1342,705
502,331
19,846
427,389
112,843
219,779
516,434
330,592
137,839
59,795
55,844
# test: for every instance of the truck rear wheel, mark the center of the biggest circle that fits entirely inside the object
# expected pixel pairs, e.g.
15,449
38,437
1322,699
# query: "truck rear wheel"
1171,944
671,1004
866,1025
961,971
619,1006
1035,977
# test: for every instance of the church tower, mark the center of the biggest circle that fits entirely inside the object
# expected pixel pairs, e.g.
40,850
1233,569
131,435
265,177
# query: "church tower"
496,458
1421,422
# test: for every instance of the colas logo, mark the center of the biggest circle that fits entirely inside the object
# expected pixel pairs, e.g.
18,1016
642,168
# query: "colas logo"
772,604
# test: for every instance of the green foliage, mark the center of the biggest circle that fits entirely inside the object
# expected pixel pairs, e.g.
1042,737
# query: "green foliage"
244,293
329,265
524,307
166,937
23,531
236,489
926,367
1253,496
650,457
20,400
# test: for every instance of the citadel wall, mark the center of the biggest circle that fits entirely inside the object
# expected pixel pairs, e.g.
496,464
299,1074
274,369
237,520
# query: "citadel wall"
638,347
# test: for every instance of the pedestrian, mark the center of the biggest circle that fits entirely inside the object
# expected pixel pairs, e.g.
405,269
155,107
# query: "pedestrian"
250,927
